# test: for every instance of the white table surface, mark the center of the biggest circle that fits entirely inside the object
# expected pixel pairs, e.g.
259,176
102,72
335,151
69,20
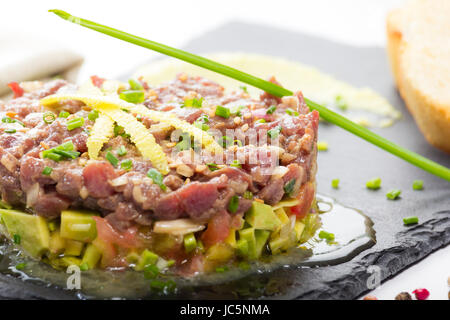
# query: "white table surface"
176,22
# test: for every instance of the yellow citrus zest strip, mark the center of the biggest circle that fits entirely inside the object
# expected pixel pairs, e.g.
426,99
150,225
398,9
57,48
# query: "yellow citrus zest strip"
111,106
207,140
141,137
102,130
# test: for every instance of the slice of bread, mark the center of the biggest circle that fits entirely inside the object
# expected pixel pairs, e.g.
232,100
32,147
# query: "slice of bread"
419,51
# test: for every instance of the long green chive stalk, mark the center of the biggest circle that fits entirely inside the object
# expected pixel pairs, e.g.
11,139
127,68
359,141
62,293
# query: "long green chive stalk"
327,114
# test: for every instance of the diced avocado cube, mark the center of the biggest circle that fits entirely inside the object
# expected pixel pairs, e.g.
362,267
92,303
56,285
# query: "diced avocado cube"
147,258
69,261
261,237
78,225
231,239
282,216
190,243
133,257
298,228
248,234
219,252
276,245
242,247
57,243
73,248
261,216
33,230
91,256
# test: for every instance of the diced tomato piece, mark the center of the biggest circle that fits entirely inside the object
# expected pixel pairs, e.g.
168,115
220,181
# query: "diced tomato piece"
97,81
218,229
16,89
107,234
306,198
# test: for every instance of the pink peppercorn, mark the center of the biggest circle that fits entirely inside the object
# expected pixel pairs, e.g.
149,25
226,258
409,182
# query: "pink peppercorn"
421,294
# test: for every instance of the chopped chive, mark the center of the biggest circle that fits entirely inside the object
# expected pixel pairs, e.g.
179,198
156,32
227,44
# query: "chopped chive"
292,112
93,115
16,238
212,166
122,151
61,152
151,271
222,269
157,178
84,266
373,184
393,194
223,112
190,243
11,120
75,123
111,158
202,126
21,266
192,103
238,142
47,171
135,85
235,110
64,114
410,220
289,187
10,131
248,195
273,133
132,96
335,183
236,164
126,165
243,88
49,117
326,235
233,205
269,87
261,121
417,185
322,145
53,156
271,109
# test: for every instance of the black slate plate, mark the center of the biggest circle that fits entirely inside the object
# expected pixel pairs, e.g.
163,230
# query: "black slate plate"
351,160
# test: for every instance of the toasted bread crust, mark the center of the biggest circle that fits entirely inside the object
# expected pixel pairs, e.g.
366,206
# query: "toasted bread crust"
431,114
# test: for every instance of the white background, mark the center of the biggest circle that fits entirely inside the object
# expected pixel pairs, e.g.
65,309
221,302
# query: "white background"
176,22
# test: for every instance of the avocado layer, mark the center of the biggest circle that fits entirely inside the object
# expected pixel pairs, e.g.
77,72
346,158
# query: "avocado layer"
78,225
30,229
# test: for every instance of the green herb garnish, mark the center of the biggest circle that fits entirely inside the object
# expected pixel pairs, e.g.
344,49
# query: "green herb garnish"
248,195
61,152
222,269
410,220
190,243
289,187
157,178
111,158
12,120
47,171
373,184
223,112
192,103
122,151
292,112
269,87
417,185
49,117
132,96
322,145
233,205
64,114
135,85
335,183
75,123
20,266
84,266
326,235
16,238
212,166
236,164
271,109
393,194
126,165
93,115
10,131
273,133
